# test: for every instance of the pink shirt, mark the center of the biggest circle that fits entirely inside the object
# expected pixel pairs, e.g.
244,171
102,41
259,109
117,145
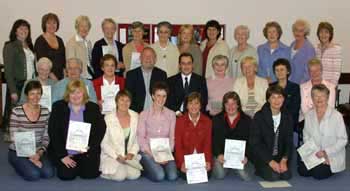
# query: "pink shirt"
331,60
216,90
153,125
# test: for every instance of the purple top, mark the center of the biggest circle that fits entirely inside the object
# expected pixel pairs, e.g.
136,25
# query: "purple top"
75,117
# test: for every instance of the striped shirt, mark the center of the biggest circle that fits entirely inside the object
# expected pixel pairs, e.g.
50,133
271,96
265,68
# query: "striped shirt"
331,59
20,122
251,103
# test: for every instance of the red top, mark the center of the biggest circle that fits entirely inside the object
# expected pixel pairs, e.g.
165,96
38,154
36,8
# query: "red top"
234,122
98,82
139,47
189,137
205,58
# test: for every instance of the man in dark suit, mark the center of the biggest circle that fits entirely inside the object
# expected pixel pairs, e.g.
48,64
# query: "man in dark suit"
139,81
184,83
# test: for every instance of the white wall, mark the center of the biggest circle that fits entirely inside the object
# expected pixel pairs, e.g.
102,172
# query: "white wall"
254,13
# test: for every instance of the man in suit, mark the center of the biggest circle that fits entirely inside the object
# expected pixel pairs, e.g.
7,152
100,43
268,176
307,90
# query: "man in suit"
184,83
139,81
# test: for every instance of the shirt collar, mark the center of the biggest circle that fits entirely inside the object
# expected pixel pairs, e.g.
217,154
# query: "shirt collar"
114,44
105,81
82,108
183,76
78,38
196,120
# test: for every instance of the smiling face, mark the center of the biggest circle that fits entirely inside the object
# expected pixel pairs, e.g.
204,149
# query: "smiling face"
241,36
159,98
231,107
83,29
123,103
194,107
51,26
248,69
108,68
272,34
281,72
33,97
276,101
22,33
148,59
220,67
109,30
315,72
324,36
137,34
73,70
43,71
186,36
164,34
212,33
76,97
186,65
299,32
319,99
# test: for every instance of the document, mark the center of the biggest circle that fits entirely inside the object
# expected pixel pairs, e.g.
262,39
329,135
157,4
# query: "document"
78,136
45,99
161,150
108,94
135,60
275,184
234,154
308,152
106,49
25,143
196,168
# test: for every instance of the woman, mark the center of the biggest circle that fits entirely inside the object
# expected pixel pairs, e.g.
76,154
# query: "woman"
325,127
218,84
19,65
25,118
212,45
271,50
157,122
119,156
301,52
80,47
51,46
230,124
133,49
282,70
43,67
250,88
329,53
75,107
240,51
108,65
271,138
167,53
186,43
192,134
108,45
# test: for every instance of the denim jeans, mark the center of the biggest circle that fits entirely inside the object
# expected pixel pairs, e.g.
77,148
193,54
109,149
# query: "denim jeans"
157,172
219,172
27,170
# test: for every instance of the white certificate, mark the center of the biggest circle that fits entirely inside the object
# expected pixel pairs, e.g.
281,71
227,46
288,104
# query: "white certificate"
45,99
160,148
196,168
308,154
234,154
25,143
135,60
108,94
106,49
78,136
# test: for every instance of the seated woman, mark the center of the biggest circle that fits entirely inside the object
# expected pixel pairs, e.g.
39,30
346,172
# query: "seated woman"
108,65
192,134
325,127
271,138
119,144
218,84
31,117
231,123
157,122
75,107
250,88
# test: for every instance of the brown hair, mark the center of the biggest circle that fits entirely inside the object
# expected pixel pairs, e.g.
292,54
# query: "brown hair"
328,26
46,18
108,57
194,96
232,95
123,93
274,89
275,25
160,85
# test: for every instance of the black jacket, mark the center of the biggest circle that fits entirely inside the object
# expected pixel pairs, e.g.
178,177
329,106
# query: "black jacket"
58,129
262,136
136,86
177,92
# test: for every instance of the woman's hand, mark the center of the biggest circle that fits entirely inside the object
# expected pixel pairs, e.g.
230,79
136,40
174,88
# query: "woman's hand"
183,168
121,159
245,161
68,162
208,166
221,159
275,166
283,165
129,156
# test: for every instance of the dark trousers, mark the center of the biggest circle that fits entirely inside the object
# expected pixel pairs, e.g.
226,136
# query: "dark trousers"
87,167
266,172
319,172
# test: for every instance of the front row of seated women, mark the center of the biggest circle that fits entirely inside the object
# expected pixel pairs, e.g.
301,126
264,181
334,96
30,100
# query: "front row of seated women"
119,145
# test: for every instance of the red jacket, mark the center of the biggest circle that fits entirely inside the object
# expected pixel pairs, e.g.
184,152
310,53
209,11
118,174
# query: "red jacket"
98,82
188,138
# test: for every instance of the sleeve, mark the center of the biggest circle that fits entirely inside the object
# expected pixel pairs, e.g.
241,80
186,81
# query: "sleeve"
70,50
261,66
8,56
179,153
92,93
295,103
217,143
208,143
23,98
307,130
141,133
57,139
45,136
288,141
99,127
337,63
172,130
134,145
341,137
39,49
331,100
14,124
204,94
95,57
106,146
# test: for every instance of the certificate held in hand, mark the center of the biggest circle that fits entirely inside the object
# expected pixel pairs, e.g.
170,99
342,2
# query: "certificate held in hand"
78,136
108,94
160,148
234,154
45,99
25,143
196,171
308,152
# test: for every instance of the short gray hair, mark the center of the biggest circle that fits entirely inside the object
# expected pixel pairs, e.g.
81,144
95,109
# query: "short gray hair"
303,23
80,19
242,27
219,57
75,60
43,61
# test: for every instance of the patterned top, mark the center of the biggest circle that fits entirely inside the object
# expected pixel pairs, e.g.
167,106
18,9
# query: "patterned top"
331,60
249,108
20,122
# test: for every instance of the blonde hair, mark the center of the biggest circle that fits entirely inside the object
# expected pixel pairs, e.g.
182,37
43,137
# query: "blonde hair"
43,61
314,62
182,28
108,20
303,23
72,86
80,19
249,58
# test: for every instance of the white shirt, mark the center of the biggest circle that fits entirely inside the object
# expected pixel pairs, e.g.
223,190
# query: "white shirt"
115,48
106,83
88,48
29,62
276,121
183,76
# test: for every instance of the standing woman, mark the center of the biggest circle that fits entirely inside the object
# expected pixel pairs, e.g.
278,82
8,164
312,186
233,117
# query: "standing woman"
301,52
132,50
329,53
120,144
19,64
186,43
80,47
271,50
75,106
31,117
51,46
212,46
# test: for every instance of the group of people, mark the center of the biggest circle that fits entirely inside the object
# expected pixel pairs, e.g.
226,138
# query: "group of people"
195,96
